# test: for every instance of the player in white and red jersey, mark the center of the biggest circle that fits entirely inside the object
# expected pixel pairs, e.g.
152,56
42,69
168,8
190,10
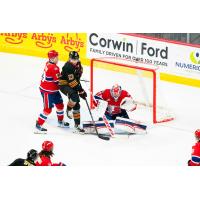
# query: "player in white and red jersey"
50,93
113,105
44,157
114,97
195,157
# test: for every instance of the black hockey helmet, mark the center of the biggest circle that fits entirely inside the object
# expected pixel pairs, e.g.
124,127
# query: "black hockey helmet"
73,55
32,154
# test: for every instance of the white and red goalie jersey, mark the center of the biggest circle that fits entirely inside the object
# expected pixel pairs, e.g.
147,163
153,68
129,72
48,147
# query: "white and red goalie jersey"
114,106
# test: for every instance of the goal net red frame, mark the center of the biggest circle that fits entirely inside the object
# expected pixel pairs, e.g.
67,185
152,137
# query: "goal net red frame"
122,63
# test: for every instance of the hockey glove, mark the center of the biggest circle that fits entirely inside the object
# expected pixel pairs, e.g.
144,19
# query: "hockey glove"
82,94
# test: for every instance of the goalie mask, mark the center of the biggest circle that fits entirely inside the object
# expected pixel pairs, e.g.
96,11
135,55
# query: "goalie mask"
116,91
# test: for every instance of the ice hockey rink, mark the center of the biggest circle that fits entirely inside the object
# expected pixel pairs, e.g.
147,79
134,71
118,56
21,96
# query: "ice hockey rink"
167,144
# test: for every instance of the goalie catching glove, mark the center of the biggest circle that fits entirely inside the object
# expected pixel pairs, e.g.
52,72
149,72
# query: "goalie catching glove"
128,104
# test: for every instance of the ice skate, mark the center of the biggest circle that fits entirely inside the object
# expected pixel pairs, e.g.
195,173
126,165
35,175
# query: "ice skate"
78,129
63,124
39,129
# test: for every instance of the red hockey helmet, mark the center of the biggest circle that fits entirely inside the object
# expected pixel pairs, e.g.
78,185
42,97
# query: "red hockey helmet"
197,133
52,54
47,146
116,91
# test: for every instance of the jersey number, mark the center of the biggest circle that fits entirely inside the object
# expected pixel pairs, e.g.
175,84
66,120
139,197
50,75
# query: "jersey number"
113,109
44,74
71,77
43,77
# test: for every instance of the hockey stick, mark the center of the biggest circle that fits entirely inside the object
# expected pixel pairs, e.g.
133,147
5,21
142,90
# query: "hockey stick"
84,80
111,131
99,135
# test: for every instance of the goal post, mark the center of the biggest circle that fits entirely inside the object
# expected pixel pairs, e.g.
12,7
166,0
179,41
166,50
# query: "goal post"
115,66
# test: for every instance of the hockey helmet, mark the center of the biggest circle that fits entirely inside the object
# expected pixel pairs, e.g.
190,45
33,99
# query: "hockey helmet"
32,154
47,146
73,55
197,133
52,54
116,91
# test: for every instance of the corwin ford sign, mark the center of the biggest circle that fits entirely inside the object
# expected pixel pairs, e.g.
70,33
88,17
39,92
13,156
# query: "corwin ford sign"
172,58
126,47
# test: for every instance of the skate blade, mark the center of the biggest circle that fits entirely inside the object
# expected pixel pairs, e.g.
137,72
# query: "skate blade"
60,126
78,132
40,132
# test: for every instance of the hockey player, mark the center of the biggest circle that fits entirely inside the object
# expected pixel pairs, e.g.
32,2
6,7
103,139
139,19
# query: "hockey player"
70,86
195,159
50,93
118,102
115,98
29,161
45,155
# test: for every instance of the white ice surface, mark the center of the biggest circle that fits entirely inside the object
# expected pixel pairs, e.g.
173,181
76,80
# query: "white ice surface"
164,145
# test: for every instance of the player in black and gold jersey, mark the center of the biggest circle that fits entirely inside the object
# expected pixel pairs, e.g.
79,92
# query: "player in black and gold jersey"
29,161
70,85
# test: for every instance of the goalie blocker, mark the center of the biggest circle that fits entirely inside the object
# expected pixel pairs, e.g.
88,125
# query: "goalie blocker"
121,125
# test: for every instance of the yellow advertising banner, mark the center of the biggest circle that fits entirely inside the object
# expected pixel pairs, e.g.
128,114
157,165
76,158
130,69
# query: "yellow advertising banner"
38,44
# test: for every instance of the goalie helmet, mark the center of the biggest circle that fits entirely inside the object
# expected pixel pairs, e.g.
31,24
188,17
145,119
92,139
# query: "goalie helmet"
197,133
32,154
47,146
73,55
52,54
116,91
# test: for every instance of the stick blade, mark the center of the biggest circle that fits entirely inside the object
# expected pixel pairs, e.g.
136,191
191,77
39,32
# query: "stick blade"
103,137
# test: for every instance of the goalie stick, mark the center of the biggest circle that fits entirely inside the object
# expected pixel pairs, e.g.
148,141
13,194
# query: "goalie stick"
101,136
111,131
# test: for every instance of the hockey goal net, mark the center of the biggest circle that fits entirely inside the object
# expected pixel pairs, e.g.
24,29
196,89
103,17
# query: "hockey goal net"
141,81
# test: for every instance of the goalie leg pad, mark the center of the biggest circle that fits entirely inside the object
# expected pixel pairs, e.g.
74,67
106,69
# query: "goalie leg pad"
99,124
129,125
88,126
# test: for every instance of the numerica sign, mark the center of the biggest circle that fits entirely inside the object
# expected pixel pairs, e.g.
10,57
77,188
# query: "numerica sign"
133,47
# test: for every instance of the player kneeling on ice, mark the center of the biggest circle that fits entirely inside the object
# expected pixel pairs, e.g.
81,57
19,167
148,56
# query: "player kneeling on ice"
114,103
46,154
195,159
